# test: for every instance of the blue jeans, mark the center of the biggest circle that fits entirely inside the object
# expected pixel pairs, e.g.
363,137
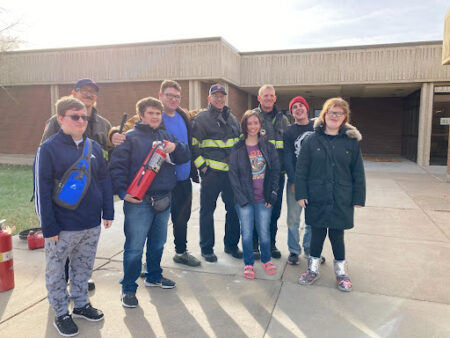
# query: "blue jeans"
293,222
250,215
141,224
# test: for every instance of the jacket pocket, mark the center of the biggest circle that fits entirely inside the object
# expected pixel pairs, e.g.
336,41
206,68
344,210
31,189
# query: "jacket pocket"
343,192
317,191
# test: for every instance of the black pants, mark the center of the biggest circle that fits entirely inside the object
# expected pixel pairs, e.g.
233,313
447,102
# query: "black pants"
213,183
181,213
276,211
336,238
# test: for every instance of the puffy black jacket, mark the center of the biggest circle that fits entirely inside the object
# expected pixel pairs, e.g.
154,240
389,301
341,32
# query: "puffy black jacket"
127,158
214,133
330,175
240,173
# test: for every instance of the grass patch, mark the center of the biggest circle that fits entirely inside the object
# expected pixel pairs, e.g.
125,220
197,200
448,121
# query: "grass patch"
16,189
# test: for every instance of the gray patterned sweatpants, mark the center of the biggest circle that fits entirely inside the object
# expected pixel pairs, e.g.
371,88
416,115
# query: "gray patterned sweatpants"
80,247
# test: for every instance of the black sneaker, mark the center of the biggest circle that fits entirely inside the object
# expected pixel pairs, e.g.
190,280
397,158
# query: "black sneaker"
164,283
186,258
275,253
129,300
211,257
235,252
88,312
91,285
256,254
65,325
293,259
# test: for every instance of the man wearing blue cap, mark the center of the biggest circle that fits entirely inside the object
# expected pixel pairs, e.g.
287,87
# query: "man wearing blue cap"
214,133
85,90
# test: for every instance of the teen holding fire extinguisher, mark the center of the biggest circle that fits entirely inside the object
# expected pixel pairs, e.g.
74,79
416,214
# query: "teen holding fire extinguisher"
146,219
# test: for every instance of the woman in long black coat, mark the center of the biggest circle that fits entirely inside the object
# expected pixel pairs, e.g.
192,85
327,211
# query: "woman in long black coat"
329,184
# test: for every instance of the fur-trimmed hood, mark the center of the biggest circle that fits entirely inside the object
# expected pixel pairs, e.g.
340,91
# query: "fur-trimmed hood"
348,129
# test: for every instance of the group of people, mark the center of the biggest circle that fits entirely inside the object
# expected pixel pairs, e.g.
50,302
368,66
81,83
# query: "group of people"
245,162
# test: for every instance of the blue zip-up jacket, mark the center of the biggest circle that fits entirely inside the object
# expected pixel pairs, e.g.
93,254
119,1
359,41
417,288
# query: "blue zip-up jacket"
53,158
127,158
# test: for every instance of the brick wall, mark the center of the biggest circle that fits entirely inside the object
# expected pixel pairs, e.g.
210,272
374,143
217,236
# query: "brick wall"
23,112
380,122
237,101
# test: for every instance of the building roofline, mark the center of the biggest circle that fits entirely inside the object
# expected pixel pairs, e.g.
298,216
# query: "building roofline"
219,38
330,49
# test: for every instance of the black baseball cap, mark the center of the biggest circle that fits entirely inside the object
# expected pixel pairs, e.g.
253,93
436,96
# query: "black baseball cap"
217,88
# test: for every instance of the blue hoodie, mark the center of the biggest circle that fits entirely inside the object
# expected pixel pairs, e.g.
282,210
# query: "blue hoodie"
127,158
53,158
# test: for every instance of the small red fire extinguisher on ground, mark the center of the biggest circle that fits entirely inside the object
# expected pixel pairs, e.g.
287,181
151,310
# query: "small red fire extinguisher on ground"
6,260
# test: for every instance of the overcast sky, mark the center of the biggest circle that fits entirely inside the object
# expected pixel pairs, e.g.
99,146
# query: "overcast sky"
246,25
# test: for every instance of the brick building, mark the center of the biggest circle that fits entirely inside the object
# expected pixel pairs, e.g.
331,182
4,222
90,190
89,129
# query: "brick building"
397,92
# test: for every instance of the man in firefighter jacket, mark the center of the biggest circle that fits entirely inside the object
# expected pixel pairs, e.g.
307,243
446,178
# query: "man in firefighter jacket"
214,132
274,123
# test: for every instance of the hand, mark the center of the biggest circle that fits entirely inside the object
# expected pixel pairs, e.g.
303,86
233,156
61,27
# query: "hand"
302,203
118,139
267,205
169,147
107,223
131,199
292,189
358,206
54,238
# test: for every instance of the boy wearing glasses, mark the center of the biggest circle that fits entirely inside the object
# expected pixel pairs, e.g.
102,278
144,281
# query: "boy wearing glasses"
71,233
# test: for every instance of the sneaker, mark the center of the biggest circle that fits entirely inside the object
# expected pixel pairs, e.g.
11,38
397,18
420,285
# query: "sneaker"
186,258
235,252
164,283
129,300
293,259
344,283
65,325
308,277
88,312
211,257
91,285
256,254
275,253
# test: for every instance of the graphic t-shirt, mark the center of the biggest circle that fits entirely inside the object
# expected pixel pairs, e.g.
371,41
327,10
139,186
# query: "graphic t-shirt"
258,164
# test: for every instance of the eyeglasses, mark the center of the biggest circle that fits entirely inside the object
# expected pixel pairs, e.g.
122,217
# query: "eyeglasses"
218,96
77,117
172,97
335,113
85,91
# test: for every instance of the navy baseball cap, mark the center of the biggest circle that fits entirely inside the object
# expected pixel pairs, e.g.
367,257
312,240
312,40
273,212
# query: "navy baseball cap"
85,82
217,88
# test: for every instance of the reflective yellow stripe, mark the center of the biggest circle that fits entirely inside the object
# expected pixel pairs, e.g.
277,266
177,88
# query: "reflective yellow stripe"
194,141
222,166
199,161
209,143
105,154
277,144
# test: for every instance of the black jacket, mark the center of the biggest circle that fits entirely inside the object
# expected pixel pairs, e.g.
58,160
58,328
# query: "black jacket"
127,158
214,133
330,175
240,173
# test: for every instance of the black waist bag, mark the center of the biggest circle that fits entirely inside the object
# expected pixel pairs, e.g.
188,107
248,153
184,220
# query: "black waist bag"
159,203
70,190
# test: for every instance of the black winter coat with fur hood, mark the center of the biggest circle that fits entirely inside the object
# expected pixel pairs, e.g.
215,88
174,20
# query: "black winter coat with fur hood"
330,175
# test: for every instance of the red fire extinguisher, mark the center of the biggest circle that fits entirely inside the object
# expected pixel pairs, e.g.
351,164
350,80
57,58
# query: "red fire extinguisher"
6,261
148,170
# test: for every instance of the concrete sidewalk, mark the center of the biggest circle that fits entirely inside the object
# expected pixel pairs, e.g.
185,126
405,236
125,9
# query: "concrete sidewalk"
399,260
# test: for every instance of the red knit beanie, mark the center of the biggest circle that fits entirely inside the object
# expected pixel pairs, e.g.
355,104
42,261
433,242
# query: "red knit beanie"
298,99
